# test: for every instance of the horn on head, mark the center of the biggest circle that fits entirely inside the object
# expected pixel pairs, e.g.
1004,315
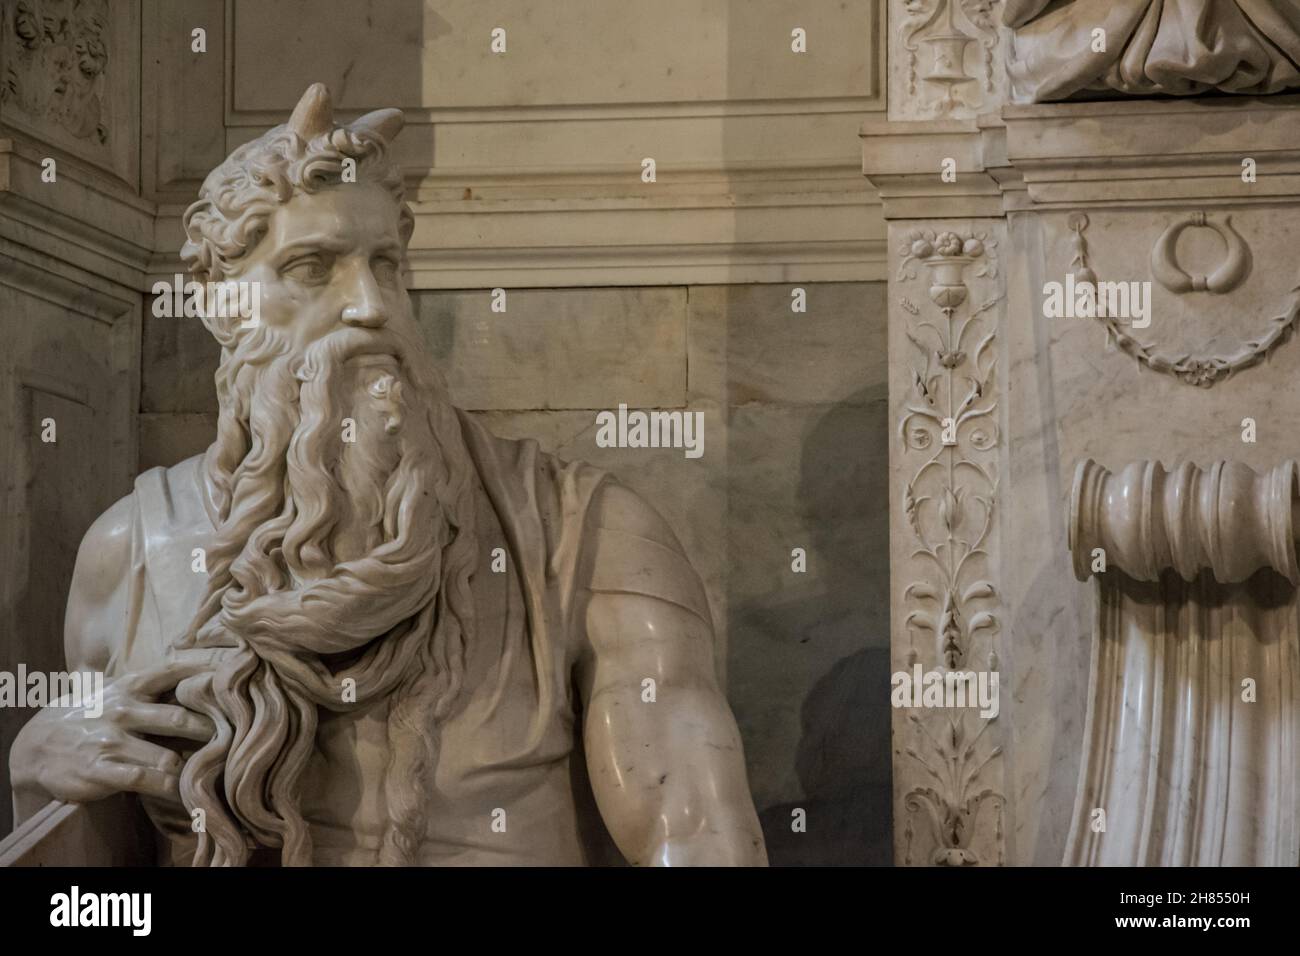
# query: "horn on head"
314,113
384,123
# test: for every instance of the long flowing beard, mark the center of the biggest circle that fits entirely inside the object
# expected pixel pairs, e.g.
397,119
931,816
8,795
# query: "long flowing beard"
339,575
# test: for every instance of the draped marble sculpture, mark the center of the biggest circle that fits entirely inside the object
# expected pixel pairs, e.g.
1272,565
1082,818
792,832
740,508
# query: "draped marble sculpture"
1194,697
361,629
1149,47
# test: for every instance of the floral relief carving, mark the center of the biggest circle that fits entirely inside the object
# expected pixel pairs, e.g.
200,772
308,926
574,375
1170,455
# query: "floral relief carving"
948,425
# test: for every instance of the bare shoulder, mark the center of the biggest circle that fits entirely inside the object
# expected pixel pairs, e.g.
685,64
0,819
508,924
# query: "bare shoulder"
99,588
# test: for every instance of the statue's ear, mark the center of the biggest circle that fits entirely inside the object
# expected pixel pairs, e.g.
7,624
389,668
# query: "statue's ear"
384,123
314,113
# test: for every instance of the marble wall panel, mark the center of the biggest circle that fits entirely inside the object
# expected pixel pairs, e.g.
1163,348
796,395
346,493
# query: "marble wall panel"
1080,395
948,394
807,653
644,53
550,349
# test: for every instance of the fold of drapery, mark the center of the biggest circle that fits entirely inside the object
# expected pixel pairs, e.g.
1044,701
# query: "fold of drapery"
1190,764
1176,47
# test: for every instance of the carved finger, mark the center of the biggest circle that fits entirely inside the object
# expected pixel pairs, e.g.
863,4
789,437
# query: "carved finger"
163,678
143,753
166,720
132,778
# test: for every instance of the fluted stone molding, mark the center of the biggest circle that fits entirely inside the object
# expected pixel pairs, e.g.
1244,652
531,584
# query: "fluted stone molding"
1151,47
1194,695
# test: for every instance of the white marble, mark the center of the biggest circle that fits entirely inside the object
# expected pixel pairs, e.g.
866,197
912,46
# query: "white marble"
458,648
1157,193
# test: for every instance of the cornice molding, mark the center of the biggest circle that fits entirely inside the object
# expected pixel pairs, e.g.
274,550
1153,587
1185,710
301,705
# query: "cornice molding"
893,152
1114,154
1155,152
76,290
706,226
81,218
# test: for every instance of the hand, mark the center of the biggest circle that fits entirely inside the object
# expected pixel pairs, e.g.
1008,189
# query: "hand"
65,754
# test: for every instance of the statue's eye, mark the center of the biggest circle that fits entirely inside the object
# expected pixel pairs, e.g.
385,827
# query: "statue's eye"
308,269
385,269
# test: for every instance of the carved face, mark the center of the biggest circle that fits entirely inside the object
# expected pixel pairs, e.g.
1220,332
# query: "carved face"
61,55
329,259
27,26
91,54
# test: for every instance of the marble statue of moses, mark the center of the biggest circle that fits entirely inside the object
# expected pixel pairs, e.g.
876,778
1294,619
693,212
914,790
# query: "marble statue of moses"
359,629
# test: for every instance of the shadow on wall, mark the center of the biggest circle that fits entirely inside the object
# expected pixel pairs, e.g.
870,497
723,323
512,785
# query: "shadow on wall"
830,635
844,768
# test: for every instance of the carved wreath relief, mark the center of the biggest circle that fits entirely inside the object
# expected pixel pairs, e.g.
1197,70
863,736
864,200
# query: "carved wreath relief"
1190,367
54,54
949,428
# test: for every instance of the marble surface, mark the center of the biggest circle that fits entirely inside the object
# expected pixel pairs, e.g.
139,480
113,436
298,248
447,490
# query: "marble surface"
1148,47
1152,192
455,621
551,349
67,365
946,59
948,606
1189,743
1082,398
527,170
668,53
796,445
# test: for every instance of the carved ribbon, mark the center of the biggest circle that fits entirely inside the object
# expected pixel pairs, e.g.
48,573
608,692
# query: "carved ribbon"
1228,519
1234,268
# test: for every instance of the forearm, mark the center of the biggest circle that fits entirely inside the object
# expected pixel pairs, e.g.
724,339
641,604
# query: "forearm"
724,843
669,779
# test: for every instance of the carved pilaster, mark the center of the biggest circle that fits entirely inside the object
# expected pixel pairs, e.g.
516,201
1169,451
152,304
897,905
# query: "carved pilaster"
945,473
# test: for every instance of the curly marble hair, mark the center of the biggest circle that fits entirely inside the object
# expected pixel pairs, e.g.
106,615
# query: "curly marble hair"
304,155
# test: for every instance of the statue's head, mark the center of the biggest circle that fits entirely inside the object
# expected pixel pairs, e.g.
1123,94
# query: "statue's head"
339,484
314,214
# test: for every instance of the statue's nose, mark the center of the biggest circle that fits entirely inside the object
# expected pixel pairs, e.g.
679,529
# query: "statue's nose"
366,302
